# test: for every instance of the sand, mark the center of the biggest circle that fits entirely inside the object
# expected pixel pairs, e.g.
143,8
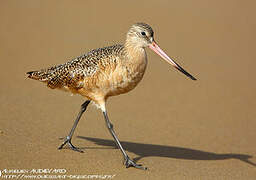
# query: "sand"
178,128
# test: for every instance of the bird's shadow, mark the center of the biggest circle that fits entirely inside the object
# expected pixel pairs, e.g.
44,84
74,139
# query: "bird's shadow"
147,150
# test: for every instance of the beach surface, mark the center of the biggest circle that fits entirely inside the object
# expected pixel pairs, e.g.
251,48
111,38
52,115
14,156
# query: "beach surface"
178,128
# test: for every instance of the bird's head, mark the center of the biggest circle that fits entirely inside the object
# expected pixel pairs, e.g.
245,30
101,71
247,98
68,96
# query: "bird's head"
141,35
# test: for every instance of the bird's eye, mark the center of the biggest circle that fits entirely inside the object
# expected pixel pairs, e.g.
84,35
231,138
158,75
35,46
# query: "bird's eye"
143,33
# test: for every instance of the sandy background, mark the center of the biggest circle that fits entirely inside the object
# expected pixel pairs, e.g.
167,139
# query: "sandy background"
178,128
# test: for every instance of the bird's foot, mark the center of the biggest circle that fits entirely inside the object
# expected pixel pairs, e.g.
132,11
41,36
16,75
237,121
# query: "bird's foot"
68,141
130,163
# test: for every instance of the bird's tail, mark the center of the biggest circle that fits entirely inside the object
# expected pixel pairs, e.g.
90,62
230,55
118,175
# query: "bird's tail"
57,77
48,76
38,75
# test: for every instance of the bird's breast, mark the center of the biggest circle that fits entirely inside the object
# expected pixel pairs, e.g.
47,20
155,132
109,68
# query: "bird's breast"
127,74
117,77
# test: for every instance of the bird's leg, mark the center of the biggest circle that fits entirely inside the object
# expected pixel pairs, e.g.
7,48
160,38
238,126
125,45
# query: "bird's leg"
127,161
69,137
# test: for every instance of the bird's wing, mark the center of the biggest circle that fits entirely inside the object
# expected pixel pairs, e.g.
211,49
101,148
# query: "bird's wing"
72,73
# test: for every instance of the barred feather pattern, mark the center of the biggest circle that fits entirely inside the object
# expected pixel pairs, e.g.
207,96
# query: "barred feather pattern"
73,73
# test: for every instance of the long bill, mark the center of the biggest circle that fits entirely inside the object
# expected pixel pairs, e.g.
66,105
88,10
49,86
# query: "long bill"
161,53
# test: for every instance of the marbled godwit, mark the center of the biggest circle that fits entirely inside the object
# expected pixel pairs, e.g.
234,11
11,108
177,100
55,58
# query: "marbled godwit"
105,72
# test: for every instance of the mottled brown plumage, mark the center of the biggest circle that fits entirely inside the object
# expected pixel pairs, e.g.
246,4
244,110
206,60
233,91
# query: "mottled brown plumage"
96,75
105,72
73,74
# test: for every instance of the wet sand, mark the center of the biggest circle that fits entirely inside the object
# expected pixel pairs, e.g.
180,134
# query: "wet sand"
178,128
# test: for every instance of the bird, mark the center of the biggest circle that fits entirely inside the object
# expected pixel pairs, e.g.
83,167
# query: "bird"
105,72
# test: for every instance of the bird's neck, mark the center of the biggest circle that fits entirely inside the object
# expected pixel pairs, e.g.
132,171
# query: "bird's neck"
136,59
133,51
